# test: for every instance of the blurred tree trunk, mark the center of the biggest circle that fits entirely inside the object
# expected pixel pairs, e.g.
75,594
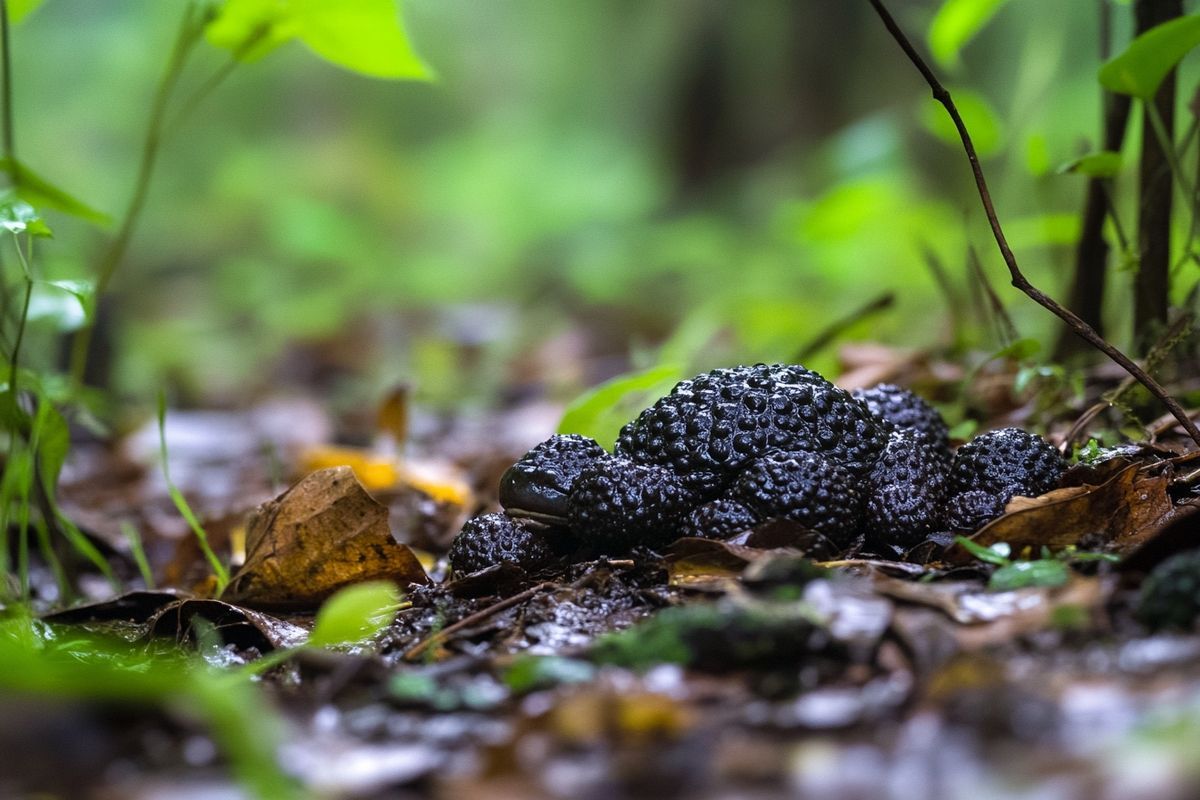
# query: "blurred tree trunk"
1154,191
1091,256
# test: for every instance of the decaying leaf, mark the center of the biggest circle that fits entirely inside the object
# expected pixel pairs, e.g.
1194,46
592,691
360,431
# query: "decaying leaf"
322,534
1116,515
137,615
711,565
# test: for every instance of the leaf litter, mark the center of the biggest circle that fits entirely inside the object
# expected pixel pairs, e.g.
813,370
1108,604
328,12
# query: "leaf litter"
709,669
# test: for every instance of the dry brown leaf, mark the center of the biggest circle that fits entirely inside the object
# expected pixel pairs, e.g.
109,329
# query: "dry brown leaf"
710,564
324,533
1118,514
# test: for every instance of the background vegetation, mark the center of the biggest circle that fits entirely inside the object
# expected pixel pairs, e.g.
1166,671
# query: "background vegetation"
689,182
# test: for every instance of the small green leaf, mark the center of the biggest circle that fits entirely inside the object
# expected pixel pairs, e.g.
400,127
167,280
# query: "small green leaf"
1142,66
1101,164
987,132
17,216
955,24
38,191
528,672
1019,350
964,430
601,411
1021,574
355,614
366,36
996,554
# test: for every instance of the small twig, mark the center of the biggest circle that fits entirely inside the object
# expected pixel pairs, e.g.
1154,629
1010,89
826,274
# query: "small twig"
1081,328
1005,329
839,326
439,637
1179,328
949,293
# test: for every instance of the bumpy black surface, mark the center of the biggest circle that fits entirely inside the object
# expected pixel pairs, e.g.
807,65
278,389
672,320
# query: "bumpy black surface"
542,480
906,411
1170,596
492,538
711,426
804,487
993,467
906,488
617,504
718,519
968,511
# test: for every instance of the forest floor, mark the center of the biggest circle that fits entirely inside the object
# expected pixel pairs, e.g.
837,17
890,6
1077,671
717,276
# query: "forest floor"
1013,669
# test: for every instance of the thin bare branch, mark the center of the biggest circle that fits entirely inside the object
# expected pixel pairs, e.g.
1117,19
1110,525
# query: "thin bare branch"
1081,328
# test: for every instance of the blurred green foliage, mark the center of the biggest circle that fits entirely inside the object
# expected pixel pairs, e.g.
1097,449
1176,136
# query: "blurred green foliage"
687,182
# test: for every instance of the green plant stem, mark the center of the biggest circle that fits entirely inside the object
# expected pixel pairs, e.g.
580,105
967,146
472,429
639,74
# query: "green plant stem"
219,570
14,376
189,34
9,140
1164,141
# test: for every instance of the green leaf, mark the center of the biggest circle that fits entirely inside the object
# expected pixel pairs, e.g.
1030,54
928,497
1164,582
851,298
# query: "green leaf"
955,24
366,36
986,129
601,411
355,614
964,430
1019,350
65,304
529,672
996,554
17,216
53,439
1020,574
1101,164
1142,66
20,9
38,191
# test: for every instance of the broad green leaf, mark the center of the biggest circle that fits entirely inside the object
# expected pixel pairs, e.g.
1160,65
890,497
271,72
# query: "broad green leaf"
366,36
252,28
1101,164
955,24
67,305
1143,65
600,412
20,9
355,614
981,120
1020,574
38,191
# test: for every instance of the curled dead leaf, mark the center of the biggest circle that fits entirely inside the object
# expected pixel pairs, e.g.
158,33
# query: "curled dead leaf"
324,533
1117,516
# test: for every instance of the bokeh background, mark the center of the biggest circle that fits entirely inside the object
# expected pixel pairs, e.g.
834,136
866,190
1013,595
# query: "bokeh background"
588,188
